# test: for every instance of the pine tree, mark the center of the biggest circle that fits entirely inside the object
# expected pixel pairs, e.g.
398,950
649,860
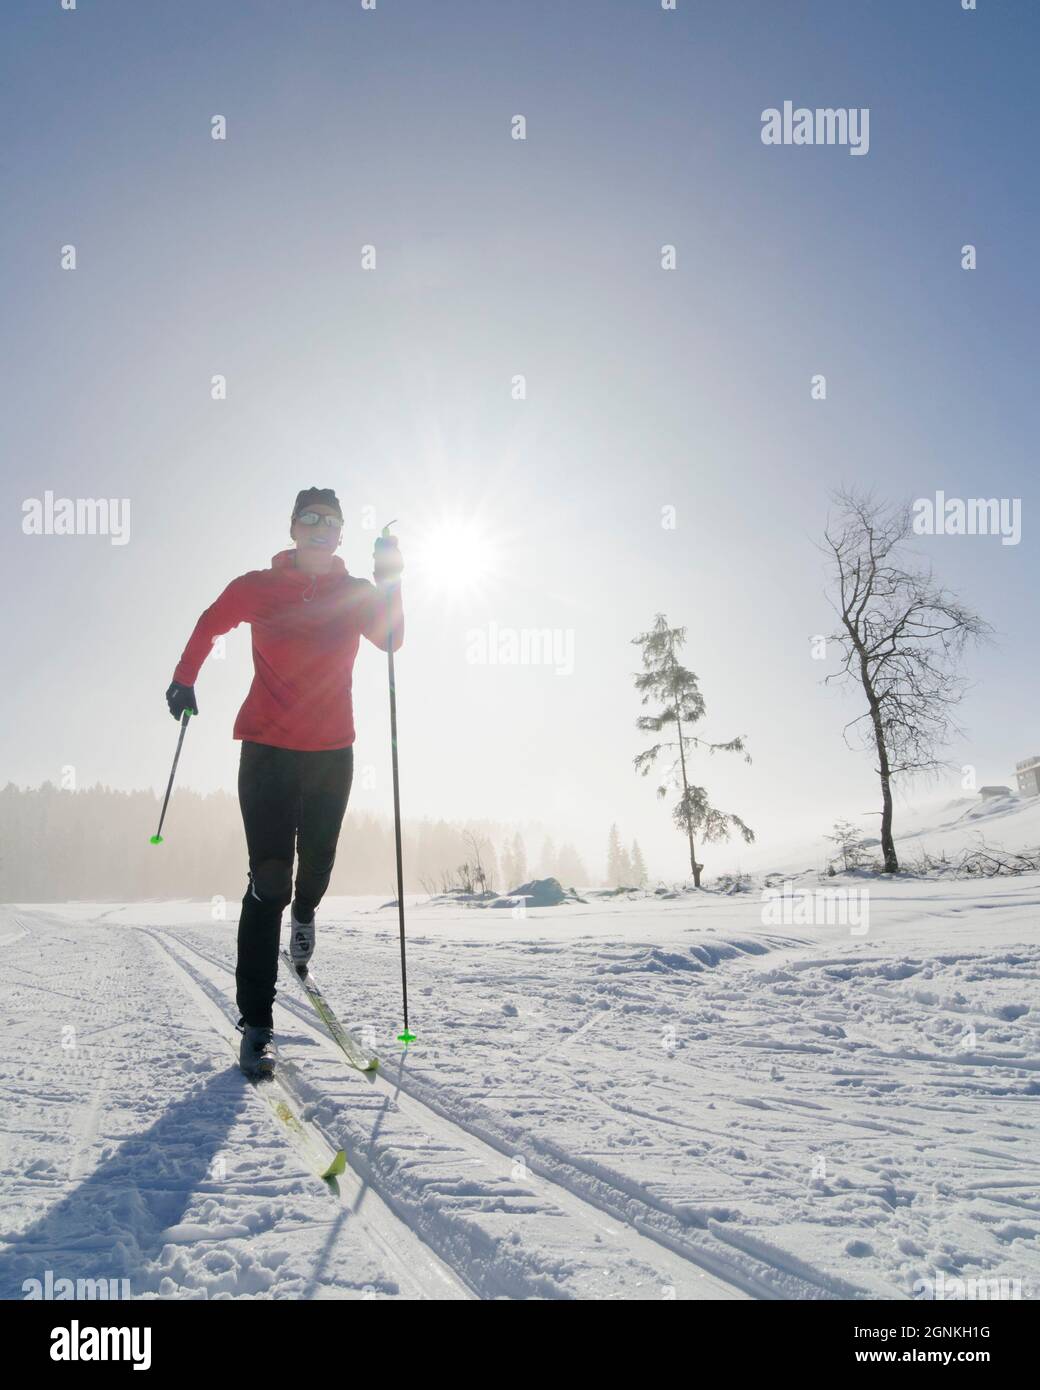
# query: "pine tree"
847,837
677,692
625,871
520,853
614,860
514,863
509,878
570,871
547,867
639,873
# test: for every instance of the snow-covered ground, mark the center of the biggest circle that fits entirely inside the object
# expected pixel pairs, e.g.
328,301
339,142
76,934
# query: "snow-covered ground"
942,825
630,1098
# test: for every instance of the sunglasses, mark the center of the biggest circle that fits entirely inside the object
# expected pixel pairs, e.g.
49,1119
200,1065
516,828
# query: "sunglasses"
316,518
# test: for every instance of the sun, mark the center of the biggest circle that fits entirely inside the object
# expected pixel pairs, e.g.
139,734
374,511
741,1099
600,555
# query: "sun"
455,557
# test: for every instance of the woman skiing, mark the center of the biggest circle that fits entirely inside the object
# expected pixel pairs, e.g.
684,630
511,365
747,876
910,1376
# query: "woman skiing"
297,729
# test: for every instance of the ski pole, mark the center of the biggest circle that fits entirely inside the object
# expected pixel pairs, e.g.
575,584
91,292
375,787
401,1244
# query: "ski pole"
157,838
407,1036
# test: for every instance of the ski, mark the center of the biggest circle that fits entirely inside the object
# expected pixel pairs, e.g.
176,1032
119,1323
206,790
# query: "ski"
354,1051
327,1163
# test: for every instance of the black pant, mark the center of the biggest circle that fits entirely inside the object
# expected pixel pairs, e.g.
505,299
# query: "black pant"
292,803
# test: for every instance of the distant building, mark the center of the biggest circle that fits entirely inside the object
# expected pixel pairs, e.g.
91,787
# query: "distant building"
1028,775
988,792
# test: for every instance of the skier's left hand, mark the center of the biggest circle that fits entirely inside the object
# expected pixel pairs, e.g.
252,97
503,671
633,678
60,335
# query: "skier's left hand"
388,561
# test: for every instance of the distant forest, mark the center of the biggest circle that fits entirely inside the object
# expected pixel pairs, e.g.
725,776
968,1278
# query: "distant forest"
94,844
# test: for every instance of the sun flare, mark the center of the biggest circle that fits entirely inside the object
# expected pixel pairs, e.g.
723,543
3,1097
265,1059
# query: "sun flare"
455,557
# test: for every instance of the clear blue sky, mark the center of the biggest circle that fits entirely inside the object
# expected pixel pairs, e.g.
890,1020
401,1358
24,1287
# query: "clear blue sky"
645,388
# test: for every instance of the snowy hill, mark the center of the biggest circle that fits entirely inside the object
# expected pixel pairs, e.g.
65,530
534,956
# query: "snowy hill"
938,827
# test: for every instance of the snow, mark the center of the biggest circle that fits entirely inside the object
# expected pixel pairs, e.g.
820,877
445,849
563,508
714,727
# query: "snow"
950,825
632,1097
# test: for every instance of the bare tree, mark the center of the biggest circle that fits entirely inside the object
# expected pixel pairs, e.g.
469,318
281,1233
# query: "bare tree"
477,873
902,636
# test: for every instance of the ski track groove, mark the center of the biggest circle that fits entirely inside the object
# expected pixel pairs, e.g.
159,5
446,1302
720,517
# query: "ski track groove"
434,1281
584,1191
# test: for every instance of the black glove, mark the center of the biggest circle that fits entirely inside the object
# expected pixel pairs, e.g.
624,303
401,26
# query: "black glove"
388,563
181,697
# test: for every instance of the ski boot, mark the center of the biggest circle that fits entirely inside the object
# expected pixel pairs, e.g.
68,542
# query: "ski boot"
302,940
256,1055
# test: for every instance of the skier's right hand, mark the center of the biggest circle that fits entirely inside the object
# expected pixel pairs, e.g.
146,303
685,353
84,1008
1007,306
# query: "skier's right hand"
181,697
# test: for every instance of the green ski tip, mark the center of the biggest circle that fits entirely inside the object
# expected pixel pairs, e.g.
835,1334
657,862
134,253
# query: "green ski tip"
337,1166
406,1037
156,840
